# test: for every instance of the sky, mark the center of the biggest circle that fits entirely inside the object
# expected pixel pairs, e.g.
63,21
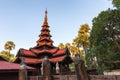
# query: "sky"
21,20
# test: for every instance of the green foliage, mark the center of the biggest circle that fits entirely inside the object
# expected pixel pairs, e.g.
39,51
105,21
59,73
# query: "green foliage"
61,46
91,59
105,40
72,68
7,56
72,48
116,3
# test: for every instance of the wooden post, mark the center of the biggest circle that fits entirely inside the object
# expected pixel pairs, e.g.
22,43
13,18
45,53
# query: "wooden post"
23,70
47,69
22,74
80,69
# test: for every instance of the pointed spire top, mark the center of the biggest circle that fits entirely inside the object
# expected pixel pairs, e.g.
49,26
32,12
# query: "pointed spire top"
45,18
46,12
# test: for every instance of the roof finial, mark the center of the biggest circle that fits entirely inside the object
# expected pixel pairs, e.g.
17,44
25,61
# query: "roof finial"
45,18
46,11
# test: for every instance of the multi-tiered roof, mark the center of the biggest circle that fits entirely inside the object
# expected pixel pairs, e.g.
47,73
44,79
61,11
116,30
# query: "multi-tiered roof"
44,47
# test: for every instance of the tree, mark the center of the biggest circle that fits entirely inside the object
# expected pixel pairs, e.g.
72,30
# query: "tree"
81,41
105,40
116,3
9,45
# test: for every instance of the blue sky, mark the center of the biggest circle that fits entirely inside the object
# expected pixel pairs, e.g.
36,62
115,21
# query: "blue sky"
21,20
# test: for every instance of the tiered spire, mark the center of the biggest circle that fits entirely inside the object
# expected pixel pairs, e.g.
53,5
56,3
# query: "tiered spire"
45,37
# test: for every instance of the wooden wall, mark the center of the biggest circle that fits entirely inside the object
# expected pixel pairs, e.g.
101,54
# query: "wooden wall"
9,76
73,77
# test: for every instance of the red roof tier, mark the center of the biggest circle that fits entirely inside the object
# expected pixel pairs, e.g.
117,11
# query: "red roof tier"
45,32
53,50
42,38
60,52
32,60
26,53
35,61
57,59
45,28
44,50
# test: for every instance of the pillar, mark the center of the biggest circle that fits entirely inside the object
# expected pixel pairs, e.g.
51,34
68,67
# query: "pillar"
22,70
47,75
80,68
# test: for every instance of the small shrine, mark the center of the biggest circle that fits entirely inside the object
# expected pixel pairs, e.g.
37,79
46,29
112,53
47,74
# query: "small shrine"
34,57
